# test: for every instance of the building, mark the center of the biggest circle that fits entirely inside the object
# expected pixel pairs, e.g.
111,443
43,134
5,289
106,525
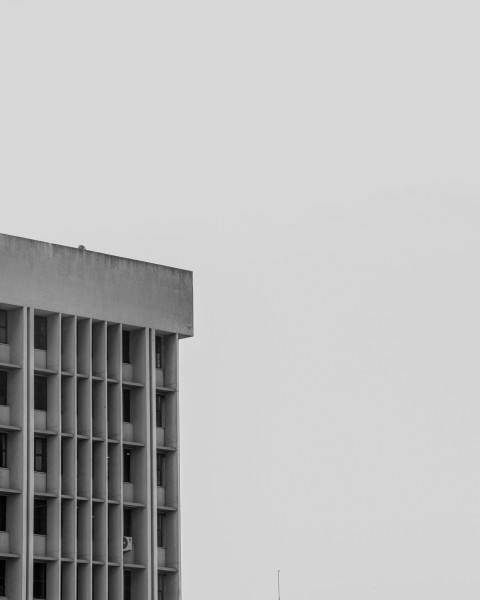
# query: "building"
89,480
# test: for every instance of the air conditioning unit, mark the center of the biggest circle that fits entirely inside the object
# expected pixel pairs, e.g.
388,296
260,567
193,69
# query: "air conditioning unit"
127,543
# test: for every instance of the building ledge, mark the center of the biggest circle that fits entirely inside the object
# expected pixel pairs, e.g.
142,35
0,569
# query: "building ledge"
166,448
9,491
133,444
133,385
133,566
166,508
45,432
45,495
44,371
46,558
7,428
133,504
9,555
167,570
164,389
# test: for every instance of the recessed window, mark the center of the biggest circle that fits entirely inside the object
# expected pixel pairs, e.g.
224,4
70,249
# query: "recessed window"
3,514
40,392
126,406
39,581
127,585
160,530
160,587
126,346
40,333
40,455
3,573
3,327
160,410
127,474
3,387
127,523
160,469
3,450
159,352
40,517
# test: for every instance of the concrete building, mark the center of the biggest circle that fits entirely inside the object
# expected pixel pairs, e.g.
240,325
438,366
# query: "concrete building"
89,483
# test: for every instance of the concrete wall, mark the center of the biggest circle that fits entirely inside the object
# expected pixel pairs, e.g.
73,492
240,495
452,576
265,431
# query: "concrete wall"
71,281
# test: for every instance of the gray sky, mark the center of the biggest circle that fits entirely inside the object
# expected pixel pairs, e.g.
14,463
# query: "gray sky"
316,165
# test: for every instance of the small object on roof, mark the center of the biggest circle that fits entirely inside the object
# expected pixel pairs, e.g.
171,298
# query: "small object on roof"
81,247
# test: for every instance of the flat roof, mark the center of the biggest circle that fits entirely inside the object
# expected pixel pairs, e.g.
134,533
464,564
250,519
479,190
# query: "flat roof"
77,281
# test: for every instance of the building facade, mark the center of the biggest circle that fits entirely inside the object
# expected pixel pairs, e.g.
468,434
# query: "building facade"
89,473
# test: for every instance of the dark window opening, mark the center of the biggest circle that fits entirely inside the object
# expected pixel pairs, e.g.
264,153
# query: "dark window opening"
160,587
3,450
126,465
160,530
3,572
40,517
160,470
126,346
40,392
126,407
39,580
159,352
127,585
160,410
3,514
40,333
3,327
40,455
127,523
3,387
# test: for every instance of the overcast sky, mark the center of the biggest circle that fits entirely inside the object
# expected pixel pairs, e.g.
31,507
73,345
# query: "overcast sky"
316,164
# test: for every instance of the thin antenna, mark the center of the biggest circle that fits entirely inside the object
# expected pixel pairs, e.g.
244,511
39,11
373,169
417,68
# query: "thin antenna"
279,584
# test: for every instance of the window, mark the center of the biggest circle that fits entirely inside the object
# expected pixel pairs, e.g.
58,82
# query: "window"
160,410
158,352
39,580
126,346
3,387
160,587
126,407
40,517
3,450
127,523
40,392
40,333
3,327
3,514
126,465
160,530
160,469
40,455
127,585
3,569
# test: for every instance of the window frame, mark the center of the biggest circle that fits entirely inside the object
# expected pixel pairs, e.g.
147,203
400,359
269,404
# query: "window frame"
40,392
127,522
3,514
3,451
40,332
160,409
3,577
126,358
3,388
159,351
160,530
126,405
39,579
40,454
127,584
39,516
127,465
160,469
3,326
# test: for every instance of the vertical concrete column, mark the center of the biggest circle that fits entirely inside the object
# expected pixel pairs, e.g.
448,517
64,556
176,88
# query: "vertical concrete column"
17,504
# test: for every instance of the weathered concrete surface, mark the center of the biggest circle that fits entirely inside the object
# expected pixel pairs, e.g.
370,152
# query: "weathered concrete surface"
63,279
